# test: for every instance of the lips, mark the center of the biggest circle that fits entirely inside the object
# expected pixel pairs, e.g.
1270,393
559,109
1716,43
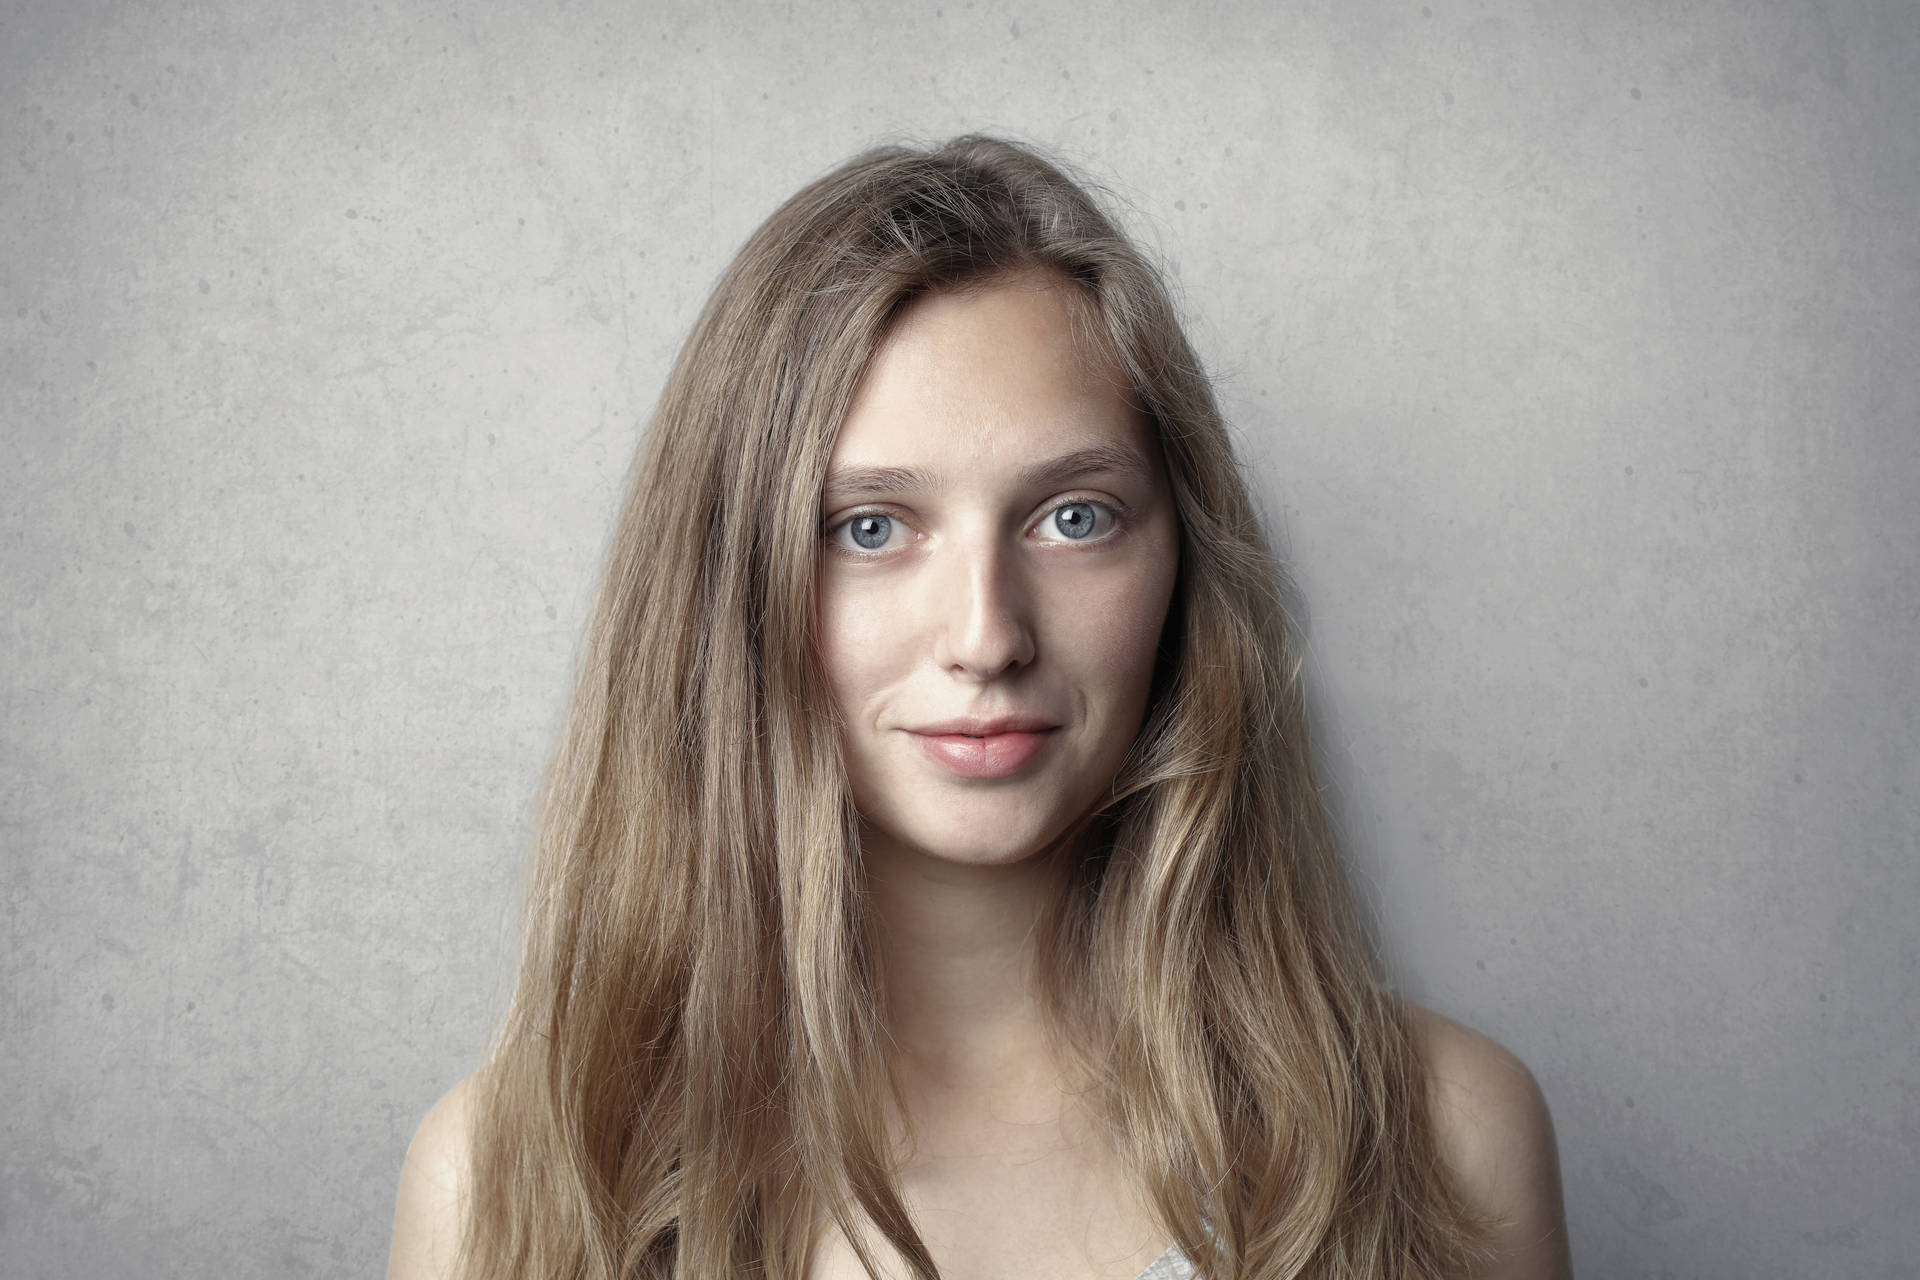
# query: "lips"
986,748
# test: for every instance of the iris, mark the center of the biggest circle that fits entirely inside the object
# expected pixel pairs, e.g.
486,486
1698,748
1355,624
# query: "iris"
1076,520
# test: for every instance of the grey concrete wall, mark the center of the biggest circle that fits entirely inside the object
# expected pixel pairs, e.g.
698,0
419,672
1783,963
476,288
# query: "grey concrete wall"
1572,345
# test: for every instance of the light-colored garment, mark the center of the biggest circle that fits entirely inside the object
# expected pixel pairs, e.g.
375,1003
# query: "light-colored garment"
1171,1265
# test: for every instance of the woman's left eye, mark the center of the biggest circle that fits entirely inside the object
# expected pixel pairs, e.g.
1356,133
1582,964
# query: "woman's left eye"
1078,522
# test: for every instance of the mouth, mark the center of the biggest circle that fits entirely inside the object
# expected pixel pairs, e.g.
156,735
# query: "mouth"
986,749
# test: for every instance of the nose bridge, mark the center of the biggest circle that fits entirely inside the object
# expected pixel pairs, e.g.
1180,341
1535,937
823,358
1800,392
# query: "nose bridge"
985,613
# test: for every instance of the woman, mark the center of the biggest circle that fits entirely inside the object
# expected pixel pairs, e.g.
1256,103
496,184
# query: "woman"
933,878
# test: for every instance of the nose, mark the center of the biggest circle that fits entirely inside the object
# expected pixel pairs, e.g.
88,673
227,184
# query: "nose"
983,608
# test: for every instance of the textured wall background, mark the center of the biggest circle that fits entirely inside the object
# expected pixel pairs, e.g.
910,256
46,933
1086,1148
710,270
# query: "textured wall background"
1573,346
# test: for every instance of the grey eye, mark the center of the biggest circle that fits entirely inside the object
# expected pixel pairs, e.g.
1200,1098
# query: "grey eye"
1076,520
871,532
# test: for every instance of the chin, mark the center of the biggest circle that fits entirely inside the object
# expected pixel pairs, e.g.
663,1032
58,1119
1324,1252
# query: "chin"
973,844
986,827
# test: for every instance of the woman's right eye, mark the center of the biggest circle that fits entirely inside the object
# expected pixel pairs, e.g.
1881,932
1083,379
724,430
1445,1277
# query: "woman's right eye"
868,532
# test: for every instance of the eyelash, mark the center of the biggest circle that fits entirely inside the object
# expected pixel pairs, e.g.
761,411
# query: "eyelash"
1116,515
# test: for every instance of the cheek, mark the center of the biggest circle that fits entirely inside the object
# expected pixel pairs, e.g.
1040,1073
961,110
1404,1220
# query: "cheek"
1107,635
859,641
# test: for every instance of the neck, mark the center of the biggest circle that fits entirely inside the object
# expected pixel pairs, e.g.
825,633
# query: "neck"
957,947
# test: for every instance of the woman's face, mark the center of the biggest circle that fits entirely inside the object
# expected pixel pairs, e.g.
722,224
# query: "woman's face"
997,555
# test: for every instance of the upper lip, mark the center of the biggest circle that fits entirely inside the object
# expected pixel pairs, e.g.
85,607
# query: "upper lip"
984,727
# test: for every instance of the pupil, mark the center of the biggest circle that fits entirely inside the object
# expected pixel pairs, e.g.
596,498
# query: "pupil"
1075,520
871,531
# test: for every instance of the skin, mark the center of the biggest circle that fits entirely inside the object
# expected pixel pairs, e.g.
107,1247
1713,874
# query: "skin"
976,603
979,605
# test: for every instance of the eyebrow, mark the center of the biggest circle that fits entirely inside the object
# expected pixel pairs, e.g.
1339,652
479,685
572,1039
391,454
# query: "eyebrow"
1100,459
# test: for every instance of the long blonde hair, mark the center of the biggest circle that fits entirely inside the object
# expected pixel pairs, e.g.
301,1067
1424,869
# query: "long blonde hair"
688,1082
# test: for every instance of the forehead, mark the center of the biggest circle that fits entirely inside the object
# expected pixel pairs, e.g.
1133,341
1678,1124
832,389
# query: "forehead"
997,374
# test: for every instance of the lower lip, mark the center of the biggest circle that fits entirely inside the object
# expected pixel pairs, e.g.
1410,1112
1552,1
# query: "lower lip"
997,755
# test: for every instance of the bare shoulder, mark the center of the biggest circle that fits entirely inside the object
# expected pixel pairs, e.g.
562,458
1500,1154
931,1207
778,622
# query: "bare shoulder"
1496,1136
433,1184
